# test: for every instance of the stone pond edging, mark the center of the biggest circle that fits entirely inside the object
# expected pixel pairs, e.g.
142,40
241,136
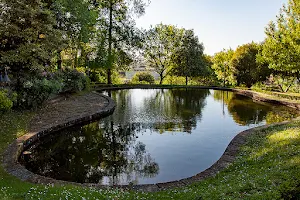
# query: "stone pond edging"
14,150
12,153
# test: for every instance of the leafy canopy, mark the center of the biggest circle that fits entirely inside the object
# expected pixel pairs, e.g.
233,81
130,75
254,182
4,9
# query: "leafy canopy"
222,66
246,69
281,48
28,34
188,58
160,45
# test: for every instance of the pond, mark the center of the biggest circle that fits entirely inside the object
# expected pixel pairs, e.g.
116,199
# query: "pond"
154,135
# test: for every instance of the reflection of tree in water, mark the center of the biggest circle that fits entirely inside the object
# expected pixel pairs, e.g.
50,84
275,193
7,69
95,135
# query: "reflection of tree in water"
162,110
108,154
244,111
280,115
223,96
187,106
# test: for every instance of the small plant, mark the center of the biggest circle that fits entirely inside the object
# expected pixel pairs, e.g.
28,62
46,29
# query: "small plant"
6,100
143,78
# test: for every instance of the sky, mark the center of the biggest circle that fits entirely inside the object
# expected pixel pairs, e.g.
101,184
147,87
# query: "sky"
219,24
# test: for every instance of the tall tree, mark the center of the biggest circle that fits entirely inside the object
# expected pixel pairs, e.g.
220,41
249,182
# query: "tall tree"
223,68
28,35
159,47
208,77
281,48
116,30
189,58
246,69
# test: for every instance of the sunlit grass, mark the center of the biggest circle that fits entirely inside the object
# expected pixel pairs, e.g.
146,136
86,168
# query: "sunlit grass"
268,167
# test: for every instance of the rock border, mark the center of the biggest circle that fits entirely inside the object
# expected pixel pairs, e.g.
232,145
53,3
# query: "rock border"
12,153
12,166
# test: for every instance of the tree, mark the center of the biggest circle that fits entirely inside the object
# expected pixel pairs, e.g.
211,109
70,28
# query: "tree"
246,69
159,47
222,66
281,49
208,77
77,18
189,58
28,35
116,30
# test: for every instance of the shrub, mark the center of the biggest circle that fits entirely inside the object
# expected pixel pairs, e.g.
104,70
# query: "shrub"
6,100
35,91
143,78
74,81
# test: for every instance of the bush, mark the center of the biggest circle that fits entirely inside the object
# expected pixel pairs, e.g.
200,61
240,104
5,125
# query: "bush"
35,91
174,80
74,81
143,78
6,100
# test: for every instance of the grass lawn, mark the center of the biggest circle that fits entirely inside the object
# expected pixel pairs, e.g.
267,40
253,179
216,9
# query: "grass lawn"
268,167
288,96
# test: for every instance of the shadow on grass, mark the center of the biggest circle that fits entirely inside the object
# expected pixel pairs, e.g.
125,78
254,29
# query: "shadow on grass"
12,126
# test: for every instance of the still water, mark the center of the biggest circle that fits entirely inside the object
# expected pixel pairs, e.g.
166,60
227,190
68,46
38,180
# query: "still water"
154,135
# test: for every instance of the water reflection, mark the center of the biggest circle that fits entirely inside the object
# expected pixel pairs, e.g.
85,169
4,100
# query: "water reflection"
162,110
106,154
245,112
153,136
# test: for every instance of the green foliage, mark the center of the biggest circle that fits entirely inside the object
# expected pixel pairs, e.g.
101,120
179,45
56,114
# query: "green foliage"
188,58
174,80
159,47
290,189
35,91
281,47
73,81
117,37
100,76
246,69
223,68
77,19
28,37
143,77
6,101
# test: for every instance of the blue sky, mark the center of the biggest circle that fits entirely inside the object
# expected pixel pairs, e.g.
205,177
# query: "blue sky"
218,23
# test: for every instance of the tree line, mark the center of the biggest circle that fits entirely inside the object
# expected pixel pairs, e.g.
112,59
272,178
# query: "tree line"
99,38
277,56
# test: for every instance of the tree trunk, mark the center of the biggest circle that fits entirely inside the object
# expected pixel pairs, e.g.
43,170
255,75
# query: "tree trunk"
109,76
161,78
288,88
75,58
186,80
59,61
110,44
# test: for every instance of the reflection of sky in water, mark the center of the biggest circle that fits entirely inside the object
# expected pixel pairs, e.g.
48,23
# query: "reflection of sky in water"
179,132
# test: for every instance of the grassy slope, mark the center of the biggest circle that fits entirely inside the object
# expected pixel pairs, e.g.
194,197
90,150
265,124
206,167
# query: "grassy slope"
268,168
289,96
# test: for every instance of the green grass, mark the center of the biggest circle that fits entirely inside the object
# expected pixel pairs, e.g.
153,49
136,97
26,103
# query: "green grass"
268,167
289,96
